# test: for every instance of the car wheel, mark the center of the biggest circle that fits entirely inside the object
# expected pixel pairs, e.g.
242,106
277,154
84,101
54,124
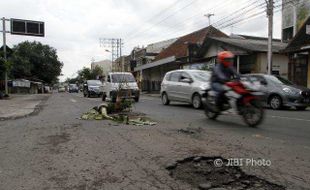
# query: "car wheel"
165,100
275,102
301,108
196,101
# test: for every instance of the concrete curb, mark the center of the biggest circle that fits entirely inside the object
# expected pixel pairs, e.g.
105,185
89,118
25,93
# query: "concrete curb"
34,112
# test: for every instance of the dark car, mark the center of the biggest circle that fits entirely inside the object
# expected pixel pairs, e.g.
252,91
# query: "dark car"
73,88
92,88
281,92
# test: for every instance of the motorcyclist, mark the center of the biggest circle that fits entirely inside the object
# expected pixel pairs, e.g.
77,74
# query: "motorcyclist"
222,73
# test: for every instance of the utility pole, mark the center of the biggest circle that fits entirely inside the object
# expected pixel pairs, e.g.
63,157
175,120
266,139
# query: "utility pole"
270,31
209,17
4,55
115,45
120,54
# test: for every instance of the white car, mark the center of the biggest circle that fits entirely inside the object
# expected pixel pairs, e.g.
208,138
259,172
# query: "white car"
122,84
185,86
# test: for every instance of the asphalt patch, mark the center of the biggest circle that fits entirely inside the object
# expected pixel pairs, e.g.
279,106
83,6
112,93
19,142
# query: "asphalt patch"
201,173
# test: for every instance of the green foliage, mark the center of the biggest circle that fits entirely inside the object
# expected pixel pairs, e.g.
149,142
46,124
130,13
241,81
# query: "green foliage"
34,60
5,65
86,74
124,105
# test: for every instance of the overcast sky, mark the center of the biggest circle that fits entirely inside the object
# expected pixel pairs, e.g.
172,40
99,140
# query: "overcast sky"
74,27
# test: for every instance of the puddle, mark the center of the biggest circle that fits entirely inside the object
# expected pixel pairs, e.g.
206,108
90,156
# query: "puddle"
201,173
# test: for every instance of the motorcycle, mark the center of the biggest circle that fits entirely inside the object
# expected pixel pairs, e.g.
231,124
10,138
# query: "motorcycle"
242,96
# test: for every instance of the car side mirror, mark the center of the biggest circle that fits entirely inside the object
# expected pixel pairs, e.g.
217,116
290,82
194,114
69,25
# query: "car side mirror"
187,80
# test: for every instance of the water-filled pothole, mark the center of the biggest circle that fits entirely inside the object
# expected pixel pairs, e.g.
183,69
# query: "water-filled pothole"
202,173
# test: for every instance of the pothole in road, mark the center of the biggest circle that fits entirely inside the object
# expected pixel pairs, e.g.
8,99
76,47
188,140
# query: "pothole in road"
55,140
201,173
190,131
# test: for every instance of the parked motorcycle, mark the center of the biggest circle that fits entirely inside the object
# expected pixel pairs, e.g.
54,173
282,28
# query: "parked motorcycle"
242,96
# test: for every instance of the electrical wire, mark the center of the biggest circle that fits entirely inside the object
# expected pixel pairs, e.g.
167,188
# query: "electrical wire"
237,20
158,14
221,4
164,19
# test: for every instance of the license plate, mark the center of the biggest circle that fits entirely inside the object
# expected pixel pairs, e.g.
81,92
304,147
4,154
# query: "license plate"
307,100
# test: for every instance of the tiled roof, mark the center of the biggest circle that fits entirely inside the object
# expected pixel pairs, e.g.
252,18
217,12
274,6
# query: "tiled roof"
159,46
179,47
300,40
252,44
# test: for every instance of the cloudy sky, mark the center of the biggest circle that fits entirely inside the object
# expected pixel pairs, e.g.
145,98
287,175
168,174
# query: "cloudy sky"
74,27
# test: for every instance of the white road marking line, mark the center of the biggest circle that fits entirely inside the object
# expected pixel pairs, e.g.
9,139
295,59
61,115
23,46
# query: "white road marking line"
291,118
72,100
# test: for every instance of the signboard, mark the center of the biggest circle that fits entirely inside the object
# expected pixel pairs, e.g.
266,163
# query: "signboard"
287,14
27,27
21,83
308,29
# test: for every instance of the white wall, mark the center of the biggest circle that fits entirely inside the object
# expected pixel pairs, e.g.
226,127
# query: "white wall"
215,48
105,65
279,61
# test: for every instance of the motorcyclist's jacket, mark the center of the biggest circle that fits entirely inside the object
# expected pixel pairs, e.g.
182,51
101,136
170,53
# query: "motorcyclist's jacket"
222,74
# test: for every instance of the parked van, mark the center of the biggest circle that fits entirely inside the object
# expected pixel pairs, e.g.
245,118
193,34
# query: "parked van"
122,84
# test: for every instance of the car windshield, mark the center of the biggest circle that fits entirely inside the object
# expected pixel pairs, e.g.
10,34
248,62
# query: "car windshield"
73,86
94,83
279,80
122,78
202,76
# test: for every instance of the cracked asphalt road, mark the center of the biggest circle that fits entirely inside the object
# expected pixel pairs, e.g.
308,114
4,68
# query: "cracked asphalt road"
56,150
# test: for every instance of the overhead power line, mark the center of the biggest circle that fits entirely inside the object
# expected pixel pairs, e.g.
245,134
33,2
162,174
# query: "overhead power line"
251,3
241,19
158,14
164,19
221,4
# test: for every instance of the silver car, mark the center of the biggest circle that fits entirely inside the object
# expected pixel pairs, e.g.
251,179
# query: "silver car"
185,86
281,92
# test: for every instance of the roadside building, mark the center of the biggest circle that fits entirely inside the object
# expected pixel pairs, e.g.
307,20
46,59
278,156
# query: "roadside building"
198,50
146,55
23,86
250,51
173,57
294,14
127,60
298,51
105,65
122,64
